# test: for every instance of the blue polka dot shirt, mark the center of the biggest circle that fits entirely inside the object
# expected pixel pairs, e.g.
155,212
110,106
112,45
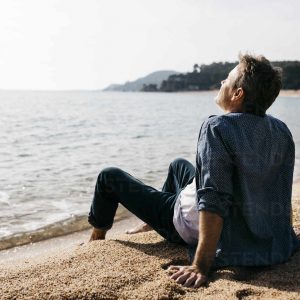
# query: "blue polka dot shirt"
244,173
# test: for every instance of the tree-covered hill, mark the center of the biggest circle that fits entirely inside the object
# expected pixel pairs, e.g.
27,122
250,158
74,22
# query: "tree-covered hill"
208,77
153,79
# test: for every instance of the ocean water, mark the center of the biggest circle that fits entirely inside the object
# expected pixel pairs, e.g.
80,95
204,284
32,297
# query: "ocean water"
53,145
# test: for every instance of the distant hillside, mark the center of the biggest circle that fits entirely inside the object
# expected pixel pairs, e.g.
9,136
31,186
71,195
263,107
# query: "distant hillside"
155,78
208,77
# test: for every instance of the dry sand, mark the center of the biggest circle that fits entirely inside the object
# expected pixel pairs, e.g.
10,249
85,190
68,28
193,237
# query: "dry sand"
292,93
296,205
131,267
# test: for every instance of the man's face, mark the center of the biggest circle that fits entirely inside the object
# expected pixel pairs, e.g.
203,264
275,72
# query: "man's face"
227,89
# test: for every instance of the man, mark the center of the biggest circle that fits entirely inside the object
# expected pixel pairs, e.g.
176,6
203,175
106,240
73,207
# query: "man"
235,206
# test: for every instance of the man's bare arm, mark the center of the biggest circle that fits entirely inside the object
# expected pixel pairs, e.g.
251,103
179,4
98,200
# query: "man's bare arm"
210,228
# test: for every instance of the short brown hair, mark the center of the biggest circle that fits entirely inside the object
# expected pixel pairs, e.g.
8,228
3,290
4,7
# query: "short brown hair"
260,81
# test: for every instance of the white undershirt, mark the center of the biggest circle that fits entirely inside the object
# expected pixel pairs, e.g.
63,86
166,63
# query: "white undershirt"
186,214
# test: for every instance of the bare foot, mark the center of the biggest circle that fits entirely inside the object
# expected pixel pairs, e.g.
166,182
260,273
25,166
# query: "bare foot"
140,228
97,234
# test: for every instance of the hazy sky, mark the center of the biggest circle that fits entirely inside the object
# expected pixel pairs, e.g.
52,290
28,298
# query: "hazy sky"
88,44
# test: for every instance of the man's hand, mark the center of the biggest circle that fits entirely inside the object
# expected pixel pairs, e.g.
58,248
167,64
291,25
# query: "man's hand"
188,276
210,227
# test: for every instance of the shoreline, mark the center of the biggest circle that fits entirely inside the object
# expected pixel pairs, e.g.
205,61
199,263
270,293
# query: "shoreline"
134,267
61,228
283,93
123,220
52,245
131,267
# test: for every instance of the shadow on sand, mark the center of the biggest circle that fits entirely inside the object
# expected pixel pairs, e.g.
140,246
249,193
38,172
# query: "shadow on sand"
284,277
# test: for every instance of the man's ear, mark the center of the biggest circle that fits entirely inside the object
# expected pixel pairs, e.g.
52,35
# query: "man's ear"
238,95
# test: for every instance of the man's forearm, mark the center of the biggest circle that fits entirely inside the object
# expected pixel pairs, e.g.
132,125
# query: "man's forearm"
210,228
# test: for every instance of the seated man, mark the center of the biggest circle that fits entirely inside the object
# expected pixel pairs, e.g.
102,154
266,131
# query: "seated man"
235,206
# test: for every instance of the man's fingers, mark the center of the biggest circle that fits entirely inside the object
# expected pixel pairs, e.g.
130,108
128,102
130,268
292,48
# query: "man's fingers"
191,280
171,272
181,279
200,281
185,277
173,269
177,274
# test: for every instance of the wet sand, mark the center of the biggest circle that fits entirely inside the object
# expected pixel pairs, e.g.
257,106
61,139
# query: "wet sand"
130,267
51,246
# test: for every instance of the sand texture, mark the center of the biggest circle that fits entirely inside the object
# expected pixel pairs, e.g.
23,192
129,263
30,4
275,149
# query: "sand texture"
292,93
133,267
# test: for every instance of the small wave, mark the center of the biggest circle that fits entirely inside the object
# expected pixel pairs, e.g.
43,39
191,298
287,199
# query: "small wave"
140,136
67,226
24,155
4,198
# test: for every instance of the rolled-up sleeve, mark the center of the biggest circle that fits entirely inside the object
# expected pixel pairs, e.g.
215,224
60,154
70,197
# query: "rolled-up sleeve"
214,170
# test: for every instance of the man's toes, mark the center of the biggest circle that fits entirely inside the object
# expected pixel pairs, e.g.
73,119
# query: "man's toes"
132,231
140,228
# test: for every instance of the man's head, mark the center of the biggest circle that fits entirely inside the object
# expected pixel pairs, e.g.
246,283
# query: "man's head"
251,87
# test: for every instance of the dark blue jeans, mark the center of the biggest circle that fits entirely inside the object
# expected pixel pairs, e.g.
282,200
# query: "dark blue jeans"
154,207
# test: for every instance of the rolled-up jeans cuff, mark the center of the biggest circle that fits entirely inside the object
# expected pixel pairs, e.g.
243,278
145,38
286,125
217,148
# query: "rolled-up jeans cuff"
93,222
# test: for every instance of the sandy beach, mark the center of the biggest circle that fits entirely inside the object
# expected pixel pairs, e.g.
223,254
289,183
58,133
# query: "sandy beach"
292,93
132,267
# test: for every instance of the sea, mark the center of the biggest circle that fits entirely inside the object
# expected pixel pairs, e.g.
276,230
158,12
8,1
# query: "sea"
53,144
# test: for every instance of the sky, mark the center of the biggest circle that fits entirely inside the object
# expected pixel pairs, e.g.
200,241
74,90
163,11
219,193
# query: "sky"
89,44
